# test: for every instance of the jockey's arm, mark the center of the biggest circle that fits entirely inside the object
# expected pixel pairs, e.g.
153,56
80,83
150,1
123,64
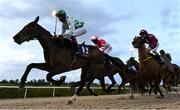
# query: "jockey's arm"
71,26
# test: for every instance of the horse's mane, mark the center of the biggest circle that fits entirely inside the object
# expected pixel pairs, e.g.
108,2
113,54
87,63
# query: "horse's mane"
44,30
62,42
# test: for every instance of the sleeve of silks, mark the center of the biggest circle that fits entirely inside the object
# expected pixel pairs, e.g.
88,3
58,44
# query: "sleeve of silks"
63,29
68,33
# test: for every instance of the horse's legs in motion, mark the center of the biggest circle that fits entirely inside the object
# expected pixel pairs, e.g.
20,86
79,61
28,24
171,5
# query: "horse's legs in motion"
81,85
122,84
73,86
41,66
158,88
82,82
57,70
103,84
90,90
113,83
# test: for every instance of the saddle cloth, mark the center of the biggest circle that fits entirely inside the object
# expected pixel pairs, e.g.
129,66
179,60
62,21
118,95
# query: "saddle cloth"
83,48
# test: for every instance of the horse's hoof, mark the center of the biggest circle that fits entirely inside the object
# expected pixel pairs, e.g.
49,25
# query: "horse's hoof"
160,97
108,91
21,86
70,102
131,97
95,94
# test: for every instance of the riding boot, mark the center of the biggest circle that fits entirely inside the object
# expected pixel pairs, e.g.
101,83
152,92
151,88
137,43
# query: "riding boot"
108,63
75,46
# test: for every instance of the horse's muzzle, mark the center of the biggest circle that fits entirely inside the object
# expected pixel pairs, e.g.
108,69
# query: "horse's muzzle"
16,39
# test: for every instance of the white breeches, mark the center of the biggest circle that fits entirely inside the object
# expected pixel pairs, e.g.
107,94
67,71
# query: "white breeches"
80,31
109,49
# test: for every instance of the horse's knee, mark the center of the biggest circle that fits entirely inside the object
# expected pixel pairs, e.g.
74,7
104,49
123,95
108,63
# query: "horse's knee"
49,77
30,65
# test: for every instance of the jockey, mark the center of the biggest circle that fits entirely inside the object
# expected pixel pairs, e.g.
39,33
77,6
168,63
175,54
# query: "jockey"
153,44
71,28
104,47
168,55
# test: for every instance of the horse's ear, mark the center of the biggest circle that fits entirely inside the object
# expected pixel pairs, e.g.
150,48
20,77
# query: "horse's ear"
37,19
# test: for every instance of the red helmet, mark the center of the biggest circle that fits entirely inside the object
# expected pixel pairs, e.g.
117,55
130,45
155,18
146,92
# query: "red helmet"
94,39
143,32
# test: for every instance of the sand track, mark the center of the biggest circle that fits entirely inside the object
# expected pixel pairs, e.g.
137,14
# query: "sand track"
92,102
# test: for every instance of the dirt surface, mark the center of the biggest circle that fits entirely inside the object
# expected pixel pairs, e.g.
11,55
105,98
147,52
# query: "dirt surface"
92,102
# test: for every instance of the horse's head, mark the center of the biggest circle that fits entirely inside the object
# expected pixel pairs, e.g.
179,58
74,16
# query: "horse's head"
29,32
130,62
138,41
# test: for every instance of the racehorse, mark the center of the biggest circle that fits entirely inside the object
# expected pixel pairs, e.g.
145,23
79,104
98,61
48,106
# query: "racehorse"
149,69
93,70
57,53
130,74
173,68
176,75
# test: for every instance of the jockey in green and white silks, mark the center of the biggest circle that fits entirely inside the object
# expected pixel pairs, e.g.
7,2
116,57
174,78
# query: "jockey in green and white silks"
71,28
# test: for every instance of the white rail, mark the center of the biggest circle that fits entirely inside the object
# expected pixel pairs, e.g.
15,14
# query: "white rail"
45,87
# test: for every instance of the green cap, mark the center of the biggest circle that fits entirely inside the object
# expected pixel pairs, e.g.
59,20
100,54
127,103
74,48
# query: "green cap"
61,13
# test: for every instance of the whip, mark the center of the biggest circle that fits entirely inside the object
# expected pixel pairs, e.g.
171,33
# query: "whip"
55,27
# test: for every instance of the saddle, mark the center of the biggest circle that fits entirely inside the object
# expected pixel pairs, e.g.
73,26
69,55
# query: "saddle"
157,58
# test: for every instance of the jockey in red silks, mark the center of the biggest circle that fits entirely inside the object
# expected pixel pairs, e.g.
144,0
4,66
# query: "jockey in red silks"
153,44
104,47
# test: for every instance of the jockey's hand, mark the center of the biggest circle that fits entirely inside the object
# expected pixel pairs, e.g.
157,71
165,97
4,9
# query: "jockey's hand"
60,36
101,49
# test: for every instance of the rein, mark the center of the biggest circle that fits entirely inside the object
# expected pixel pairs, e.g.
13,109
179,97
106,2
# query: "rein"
147,59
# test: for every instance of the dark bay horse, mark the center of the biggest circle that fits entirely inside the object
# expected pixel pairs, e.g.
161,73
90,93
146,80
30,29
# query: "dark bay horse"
91,74
130,74
57,52
97,70
176,75
149,69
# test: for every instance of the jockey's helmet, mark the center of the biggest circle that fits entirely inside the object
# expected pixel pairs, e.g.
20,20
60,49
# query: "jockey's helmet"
143,33
94,39
61,14
162,52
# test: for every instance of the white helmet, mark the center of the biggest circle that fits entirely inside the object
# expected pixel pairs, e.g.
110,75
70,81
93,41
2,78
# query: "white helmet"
94,38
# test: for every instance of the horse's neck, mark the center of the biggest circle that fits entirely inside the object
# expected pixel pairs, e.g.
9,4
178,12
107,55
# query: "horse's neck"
135,64
44,39
142,53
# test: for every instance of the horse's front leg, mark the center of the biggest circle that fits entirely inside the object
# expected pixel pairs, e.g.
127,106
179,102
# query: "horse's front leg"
57,70
41,66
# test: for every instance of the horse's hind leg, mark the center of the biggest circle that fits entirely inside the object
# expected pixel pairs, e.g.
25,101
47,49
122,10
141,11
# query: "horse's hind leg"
57,70
41,66
113,83
103,84
74,85
89,89
122,84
